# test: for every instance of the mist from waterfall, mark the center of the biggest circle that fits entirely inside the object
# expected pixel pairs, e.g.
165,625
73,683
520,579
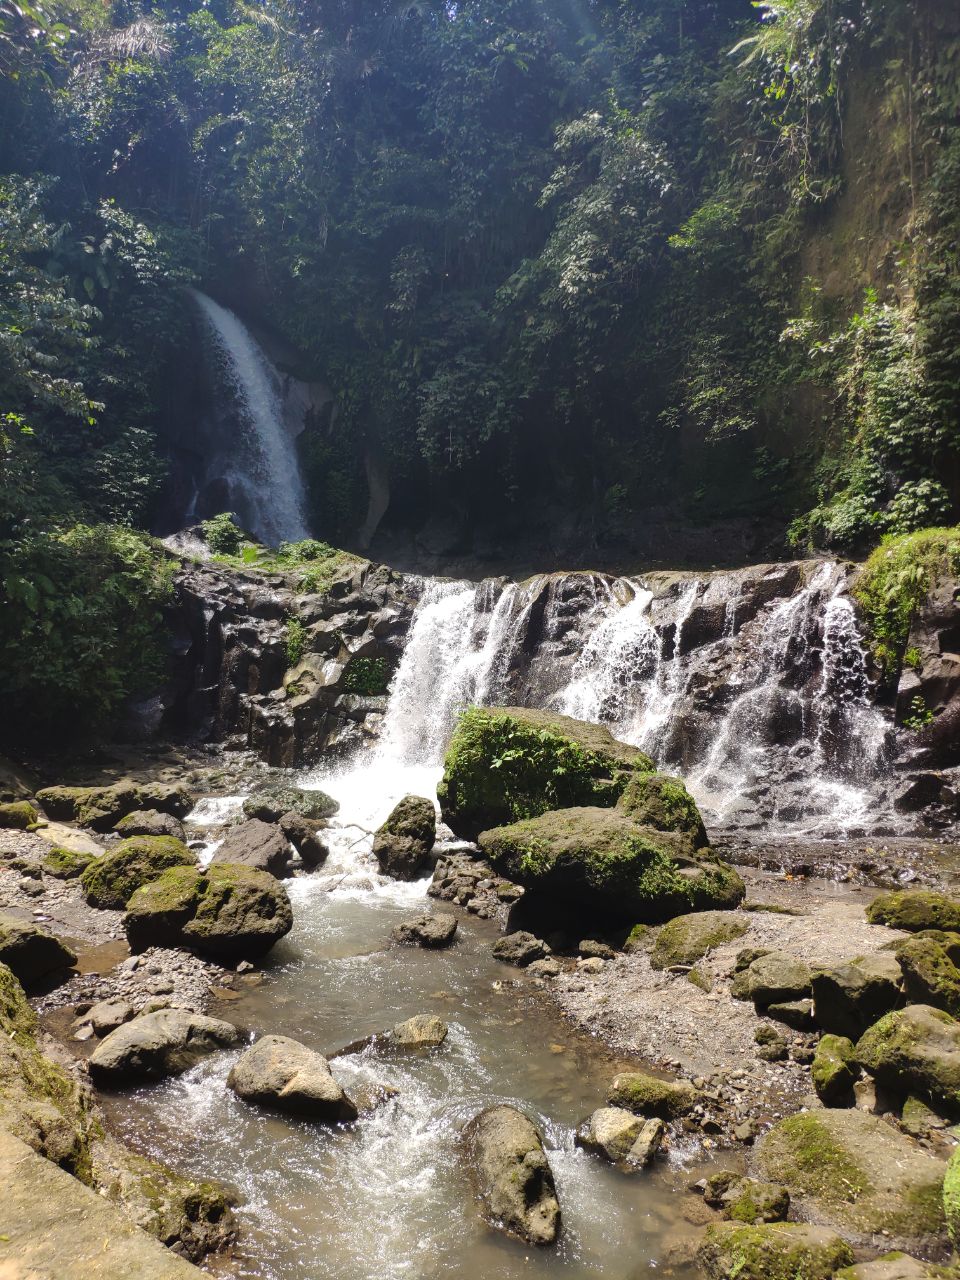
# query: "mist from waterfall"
261,470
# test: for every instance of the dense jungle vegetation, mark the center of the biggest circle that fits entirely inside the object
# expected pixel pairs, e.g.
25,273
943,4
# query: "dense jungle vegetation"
583,255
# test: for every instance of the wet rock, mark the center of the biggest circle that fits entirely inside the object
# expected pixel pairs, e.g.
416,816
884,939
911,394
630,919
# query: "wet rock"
771,1251
648,1143
427,930
165,1043
150,822
746,1199
929,974
306,836
848,997
520,948
106,1015
915,909
18,814
568,762
270,803
403,843
834,1070
284,1074
772,978
647,1095
256,844
915,1050
687,939
663,802
65,864
111,880
424,1031
227,912
513,1175
610,1132
32,955
855,1173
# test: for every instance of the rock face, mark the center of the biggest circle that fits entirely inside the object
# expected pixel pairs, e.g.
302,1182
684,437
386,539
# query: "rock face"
427,931
30,954
513,1175
402,844
849,997
855,1173
773,1251
687,939
270,803
111,880
256,844
915,1050
226,912
282,1073
602,866
515,762
915,909
165,1043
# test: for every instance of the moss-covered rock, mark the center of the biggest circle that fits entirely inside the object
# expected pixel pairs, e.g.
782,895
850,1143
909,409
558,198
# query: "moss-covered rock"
855,1173
271,802
402,844
916,1050
111,880
915,909
771,1251
19,814
102,807
951,1197
834,1070
750,1201
517,763
686,939
647,1095
65,864
849,997
32,955
897,1266
599,863
224,911
772,978
662,801
929,975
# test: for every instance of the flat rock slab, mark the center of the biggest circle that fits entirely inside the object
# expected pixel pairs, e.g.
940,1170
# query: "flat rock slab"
55,1228
282,1073
164,1043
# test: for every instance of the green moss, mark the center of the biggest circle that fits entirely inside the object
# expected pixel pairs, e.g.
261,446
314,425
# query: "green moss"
951,1197
771,1251
834,1069
810,1159
19,814
930,976
647,1095
660,801
915,910
65,864
688,938
637,939
110,880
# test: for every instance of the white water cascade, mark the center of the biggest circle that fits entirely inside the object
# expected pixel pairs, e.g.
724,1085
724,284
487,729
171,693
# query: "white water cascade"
261,468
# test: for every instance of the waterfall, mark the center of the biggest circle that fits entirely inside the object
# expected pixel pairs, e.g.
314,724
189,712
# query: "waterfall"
260,466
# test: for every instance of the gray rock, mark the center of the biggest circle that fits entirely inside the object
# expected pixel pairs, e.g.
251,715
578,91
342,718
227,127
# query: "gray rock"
150,822
849,997
796,1014
256,844
427,930
32,955
589,948
610,1132
282,1073
107,1015
424,1031
271,802
648,1143
546,968
520,948
513,1175
402,844
165,1043
306,836
773,978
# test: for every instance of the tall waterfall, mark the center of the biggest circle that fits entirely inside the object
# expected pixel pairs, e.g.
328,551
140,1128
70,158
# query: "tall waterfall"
261,466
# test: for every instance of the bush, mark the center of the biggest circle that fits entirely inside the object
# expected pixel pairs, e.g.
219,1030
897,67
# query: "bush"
223,536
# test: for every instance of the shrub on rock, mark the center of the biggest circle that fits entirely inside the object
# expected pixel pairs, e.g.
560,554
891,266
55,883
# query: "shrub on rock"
915,909
771,1251
282,1073
516,762
111,880
513,1175
402,844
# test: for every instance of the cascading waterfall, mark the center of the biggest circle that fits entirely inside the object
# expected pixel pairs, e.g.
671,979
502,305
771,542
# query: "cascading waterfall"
262,469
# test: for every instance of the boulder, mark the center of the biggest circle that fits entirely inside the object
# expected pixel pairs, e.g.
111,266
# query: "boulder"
647,1144
150,822
520,948
663,802
896,1266
772,978
797,1014
834,1070
102,807
18,814
771,1251
516,762
32,955
402,844
65,864
427,930
602,866
647,1095
284,1074
915,1050
621,1137
855,1173
168,797
513,1175
165,1043
256,844
106,1015
929,975
223,911
848,997
423,1031
915,909
687,939
746,1199
306,836
111,880
271,802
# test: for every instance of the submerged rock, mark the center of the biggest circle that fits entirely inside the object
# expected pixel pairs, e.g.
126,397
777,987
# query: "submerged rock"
270,803
112,879
256,844
650,1096
282,1073
771,1251
515,762
915,909
427,930
31,954
165,1043
915,1050
687,939
513,1175
402,844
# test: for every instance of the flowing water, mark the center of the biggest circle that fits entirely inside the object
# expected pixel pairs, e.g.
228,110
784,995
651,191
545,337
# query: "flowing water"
261,471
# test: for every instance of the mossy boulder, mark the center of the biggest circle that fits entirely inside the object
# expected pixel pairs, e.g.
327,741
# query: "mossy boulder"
916,1050
855,1173
915,909
687,939
647,1095
19,814
112,879
897,1266
402,844
227,912
771,1251
271,802
929,975
150,822
102,807
516,762
65,864
772,978
849,997
32,955
662,801
605,868
834,1070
